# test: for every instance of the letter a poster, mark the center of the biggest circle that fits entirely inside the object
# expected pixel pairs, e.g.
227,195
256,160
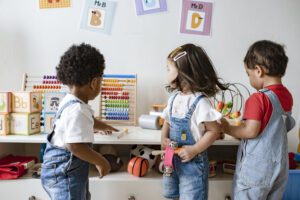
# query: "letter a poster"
98,15
196,17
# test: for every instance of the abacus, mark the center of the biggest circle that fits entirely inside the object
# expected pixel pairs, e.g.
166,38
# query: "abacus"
45,83
232,101
118,99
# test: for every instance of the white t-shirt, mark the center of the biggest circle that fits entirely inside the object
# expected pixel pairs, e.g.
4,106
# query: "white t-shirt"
204,112
76,124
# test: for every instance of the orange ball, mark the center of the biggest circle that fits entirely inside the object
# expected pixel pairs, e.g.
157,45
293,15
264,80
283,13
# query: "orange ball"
138,166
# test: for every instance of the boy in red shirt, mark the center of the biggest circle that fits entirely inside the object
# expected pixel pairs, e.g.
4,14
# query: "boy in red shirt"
262,160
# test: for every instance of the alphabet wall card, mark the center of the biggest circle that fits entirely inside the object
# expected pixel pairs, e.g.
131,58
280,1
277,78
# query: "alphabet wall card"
196,17
24,123
5,102
52,101
26,102
4,124
98,15
54,4
150,6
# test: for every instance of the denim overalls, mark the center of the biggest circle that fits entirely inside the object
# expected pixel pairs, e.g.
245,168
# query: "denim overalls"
189,181
262,162
63,175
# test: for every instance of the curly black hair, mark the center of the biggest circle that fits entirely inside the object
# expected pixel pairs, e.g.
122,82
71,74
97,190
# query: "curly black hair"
269,55
79,65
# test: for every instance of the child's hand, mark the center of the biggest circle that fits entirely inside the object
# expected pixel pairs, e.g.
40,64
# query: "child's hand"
224,125
187,153
103,168
164,143
106,129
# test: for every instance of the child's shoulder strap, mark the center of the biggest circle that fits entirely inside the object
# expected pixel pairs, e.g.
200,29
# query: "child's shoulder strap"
193,106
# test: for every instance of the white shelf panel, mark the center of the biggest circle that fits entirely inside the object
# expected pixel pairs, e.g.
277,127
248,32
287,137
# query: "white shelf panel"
136,135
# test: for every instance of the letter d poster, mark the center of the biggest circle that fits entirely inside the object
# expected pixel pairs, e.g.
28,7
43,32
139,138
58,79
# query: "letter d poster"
196,17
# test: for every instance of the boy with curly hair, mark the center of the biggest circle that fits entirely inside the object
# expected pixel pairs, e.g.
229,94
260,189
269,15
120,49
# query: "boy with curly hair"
68,152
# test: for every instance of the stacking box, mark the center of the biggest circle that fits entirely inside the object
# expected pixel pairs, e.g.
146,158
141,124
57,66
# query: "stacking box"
5,102
25,123
4,124
26,102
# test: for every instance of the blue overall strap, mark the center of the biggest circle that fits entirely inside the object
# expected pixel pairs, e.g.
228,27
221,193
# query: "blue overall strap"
193,107
171,104
289,120
59,112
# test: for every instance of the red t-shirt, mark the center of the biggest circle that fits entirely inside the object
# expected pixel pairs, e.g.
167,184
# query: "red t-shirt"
259,107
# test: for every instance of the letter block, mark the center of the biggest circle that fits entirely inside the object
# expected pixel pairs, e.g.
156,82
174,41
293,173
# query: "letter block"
5,102
26,102
25,123
52,101
4,124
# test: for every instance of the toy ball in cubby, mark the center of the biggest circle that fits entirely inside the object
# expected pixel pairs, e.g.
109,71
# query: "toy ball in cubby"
48,122
138,166
52,101
115,162
4,124
25,123
26,102
5,102
144,152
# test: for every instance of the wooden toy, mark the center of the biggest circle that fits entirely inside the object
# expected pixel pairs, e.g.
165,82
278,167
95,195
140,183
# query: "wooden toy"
25,123
26,102
5,102
45,83
52,101
48,122
138,166
118,99
231,102
4,124
123,133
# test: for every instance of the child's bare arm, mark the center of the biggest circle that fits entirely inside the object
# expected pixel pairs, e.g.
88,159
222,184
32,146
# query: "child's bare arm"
165,135
213,131
84,152
247,130
99,125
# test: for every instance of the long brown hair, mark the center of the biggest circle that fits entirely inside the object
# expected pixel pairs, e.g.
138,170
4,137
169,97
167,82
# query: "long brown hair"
195,70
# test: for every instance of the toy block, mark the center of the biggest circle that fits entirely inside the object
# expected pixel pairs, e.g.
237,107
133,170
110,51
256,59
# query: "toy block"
52,101
26,102
25,123
4,124
48,119
5,102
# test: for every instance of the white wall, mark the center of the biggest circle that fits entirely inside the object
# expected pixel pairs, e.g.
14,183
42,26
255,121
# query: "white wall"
32,40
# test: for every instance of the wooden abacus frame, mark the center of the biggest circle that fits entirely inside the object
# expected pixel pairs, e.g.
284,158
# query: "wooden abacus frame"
118,93
46,83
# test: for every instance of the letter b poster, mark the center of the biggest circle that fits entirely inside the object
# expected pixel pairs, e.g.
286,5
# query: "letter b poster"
196,17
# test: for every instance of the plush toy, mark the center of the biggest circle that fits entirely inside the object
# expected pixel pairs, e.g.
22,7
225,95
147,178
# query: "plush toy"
144,152
159,165
109,152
